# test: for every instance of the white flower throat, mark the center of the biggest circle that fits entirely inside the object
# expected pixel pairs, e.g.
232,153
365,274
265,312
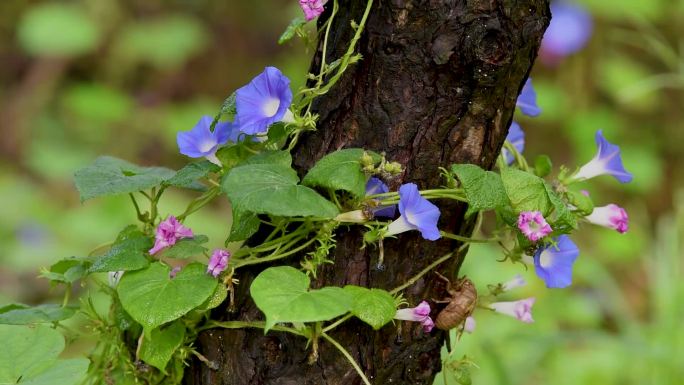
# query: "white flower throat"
271,107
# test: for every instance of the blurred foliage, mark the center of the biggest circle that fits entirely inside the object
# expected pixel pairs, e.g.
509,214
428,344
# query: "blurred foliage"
121,77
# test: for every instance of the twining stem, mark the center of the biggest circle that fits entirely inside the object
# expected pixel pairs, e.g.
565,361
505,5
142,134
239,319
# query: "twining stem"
67,294
274,257
348,356
426,270
466,239
247,324
200,202
141,218
337,323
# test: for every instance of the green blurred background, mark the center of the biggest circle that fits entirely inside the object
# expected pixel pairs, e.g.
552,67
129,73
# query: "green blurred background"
87,77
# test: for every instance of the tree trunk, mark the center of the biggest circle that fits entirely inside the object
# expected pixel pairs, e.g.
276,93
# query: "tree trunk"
437,85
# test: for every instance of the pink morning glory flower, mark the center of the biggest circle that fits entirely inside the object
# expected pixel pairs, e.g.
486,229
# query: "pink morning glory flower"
527,100
515,282
168,232
520,310
611,216
553,263
516,137
417,213
218,262
264,101
312,8
607,161
420,313
376,186
469,324
201,142
569,31
533,225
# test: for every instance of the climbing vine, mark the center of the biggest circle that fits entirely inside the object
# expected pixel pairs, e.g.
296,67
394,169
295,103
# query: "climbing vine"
163,281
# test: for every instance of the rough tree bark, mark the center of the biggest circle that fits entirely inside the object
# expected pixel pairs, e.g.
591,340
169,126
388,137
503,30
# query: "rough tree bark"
437,85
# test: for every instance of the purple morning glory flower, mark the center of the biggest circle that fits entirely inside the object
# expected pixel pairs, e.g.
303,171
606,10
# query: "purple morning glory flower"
533,225
527,100
417,213
611,216
420,313
569,32
312,8
376,186
264,101
516,137
202,142
218,262
553,263
520,310
606,161
169,232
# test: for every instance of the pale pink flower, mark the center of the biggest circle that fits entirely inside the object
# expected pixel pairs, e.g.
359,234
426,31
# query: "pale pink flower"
520,310
420,313
611,216
515,282
469,324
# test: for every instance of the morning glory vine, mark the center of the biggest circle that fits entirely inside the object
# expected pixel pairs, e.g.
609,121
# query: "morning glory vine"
163,281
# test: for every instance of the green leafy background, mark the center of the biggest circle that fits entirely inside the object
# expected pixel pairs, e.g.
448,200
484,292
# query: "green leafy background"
103,90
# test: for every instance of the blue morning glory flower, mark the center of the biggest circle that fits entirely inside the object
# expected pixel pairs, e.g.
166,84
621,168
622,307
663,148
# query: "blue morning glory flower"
202,142
417,213
376,186
553,263
606,161
569,31
527,100
516,137
264,101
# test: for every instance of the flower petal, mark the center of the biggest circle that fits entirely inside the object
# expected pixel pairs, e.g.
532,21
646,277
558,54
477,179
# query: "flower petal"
527,101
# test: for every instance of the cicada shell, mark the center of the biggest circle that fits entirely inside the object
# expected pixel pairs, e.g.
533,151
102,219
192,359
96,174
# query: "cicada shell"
461,303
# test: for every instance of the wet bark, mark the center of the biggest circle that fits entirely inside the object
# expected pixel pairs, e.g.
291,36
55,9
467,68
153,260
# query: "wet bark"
437,85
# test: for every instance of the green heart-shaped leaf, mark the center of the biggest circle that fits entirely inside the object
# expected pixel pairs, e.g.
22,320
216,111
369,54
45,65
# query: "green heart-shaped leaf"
283,294
375,307
152,298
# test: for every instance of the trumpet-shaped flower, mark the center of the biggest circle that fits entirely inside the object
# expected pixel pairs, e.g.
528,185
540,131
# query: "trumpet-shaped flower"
264,101
569,31
218,262
515,282
606,161
516,137
533,225
169,232
202,142
611,216
520,310
527,100
312,8
376,186
553,263
417,213
420,313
